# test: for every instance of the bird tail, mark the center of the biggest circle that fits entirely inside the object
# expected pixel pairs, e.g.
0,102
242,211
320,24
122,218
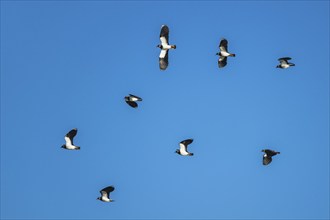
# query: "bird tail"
278,152
78,148
173,46
233,55
191,154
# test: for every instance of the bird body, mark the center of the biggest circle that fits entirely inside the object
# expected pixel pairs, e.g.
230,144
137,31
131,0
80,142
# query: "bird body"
284,64
132,99
223,54
164,46
267,157
69,140
183,148
105,194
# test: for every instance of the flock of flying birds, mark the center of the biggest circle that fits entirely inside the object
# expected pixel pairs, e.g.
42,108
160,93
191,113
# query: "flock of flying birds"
132,100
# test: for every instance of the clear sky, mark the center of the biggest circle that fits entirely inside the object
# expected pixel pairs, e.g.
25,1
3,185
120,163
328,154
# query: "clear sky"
69,64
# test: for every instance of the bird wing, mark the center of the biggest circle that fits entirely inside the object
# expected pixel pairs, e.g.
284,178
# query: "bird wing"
284,60
70,135
187,141
68,141
222,61
106,191
134,96
163,61
266,160
132,103
164,34
163,53
183,148
223,45
184,145
270,153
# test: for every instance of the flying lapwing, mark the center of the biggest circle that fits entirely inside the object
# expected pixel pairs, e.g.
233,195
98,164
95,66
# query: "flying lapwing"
164,46
268,154
131,100
223,54
105,194
183,148
69,140
284,63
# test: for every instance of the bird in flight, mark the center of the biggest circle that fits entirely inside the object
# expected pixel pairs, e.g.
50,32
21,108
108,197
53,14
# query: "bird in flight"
223,54
184,148
69,140
284,64
268,154
105,194
131,100
164,46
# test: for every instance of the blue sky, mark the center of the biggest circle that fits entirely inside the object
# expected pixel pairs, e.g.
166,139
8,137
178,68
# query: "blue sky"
70,64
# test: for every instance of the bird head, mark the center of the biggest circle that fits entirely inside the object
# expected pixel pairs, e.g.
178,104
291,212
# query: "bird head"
278,66
63,146
218,54
177,151
98,198
160,46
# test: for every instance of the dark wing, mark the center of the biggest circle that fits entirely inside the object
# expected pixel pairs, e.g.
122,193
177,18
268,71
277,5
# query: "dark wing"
270,153
134,96
107,190
163,62
131,103
266,160
223,45
222,61
164,32
284,60
71,134
187,142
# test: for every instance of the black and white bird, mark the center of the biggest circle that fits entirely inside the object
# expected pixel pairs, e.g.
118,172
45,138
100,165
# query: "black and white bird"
223,54
164,46
131,100
105,194
268,154
183,148
69,140
284,63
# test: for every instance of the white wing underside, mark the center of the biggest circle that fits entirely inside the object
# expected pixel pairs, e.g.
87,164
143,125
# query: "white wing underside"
134,99
183,150
162,53
105,198
67,141
163,41
68,144
223,49
224,53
